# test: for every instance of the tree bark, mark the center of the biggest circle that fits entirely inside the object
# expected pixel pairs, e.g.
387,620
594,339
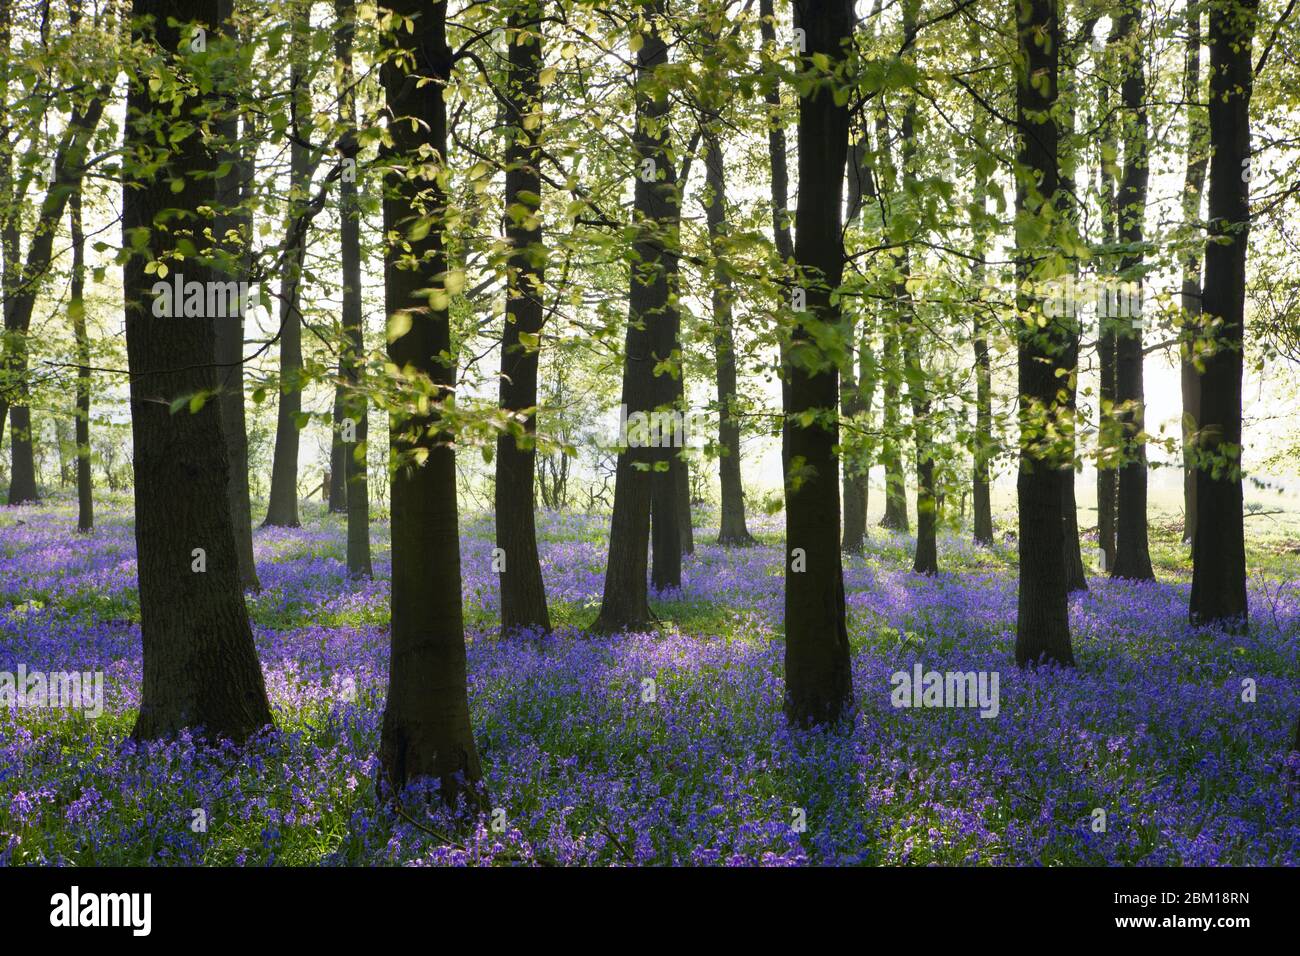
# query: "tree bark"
981,503
338,482
200,665
682,482
234,216
984,448
77,311
426,730
1107,485
856,394
1075,577
782,238
1219,550
1198,161
282,508
1043,614
352,356
819,683
926,558
868,377
733,530
895,516
651,337
22,464
523,593
852,477
1132,556
22,472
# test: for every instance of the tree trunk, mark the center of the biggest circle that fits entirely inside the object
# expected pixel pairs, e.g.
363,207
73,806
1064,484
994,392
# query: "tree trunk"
651,336
234,215
984,448
200,665
926,558
352,357
1043,613
282,508
852,478
675,495
338,486
523,593
1190,389
10,236
777,160
22,472
855,464
856,487
1106,485
1219,550
665,495
981,503
426,730
77,311
819,683
868,376
1075,577
895,517
685,522
67,456
733,529
1193,191
1132,557
22,466
1106,426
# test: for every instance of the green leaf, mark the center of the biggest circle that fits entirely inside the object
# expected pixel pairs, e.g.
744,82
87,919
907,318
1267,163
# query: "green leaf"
399,323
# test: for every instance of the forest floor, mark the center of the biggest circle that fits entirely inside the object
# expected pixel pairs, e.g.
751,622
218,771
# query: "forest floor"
581,767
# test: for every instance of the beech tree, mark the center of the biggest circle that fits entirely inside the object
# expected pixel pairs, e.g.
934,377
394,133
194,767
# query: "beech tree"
651,336
426,730
523,593
1132,556
818,681
1197,164
732,529
77,313
981,501
1043,614
926,558
350,396
282,507
235,227
200,666
1108,200
1219,550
